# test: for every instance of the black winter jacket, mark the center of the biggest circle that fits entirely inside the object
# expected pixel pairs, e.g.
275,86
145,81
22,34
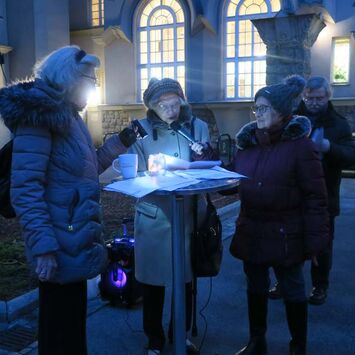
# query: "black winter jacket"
341,154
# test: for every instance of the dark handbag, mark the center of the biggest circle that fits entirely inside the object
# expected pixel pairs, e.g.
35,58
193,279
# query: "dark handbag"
207,246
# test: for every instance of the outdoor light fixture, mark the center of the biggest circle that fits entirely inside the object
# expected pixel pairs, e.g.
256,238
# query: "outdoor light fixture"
94,96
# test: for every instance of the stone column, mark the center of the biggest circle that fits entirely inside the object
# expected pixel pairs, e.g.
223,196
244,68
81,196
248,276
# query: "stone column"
3,40
51,26
288,40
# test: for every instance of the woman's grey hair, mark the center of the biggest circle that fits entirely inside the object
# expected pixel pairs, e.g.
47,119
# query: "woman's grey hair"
318,82
63,67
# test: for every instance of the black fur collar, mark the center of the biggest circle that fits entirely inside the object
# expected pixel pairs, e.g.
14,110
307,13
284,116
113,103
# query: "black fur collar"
34,103
298,127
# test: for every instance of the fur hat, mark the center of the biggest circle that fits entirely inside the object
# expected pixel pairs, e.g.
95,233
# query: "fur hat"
156,88
282,96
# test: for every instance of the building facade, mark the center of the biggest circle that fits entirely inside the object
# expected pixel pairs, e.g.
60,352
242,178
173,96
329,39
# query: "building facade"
221,51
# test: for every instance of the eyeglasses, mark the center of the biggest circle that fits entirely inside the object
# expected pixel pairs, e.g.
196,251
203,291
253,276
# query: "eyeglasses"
317,99
260,109
164,107
94,79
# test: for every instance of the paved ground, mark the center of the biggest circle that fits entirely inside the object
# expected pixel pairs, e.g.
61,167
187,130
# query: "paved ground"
118,331
115,331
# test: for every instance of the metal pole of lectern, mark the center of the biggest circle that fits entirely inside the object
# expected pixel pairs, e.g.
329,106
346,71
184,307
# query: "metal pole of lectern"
178,253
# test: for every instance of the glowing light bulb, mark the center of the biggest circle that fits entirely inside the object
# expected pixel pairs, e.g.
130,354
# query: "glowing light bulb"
156,164
120,279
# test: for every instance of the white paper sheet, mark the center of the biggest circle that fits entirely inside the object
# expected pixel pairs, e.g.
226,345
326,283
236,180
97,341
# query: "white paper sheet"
214,173
173,163
141,186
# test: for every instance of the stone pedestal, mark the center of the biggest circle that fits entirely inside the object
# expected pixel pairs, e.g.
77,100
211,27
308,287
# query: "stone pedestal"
288,40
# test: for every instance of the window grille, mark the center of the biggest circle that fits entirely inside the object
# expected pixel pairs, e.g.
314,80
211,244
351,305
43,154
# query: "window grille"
97,13
161,43
244,51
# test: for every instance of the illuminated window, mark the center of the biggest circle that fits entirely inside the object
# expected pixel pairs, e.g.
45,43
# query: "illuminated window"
245,52
97,13
161,43
341,61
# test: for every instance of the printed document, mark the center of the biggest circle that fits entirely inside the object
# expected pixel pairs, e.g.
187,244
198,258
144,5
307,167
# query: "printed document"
141,186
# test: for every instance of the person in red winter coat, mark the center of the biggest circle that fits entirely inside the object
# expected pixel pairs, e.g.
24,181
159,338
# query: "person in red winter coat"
283,218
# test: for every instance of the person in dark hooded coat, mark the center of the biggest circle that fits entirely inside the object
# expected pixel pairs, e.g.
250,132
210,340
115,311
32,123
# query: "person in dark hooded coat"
283,216
332,136
55,190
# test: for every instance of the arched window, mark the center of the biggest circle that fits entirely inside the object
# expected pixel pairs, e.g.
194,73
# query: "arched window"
161,43
245,52
97,13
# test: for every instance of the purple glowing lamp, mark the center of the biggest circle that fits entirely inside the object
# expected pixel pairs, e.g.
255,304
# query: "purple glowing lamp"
118,278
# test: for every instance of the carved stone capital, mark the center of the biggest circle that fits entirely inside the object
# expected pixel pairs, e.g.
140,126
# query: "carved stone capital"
288,30
201,23
111,34
288,41
5,49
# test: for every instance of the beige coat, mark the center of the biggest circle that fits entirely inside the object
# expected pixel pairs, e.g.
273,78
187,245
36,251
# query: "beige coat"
153,254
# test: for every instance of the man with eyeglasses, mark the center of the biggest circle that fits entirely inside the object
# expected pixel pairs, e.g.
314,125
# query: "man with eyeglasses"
332,136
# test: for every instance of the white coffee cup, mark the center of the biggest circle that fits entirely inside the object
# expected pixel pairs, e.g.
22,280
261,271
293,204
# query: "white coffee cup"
126,165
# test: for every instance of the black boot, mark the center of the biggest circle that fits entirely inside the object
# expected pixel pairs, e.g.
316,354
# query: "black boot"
257,311
275,292
297,323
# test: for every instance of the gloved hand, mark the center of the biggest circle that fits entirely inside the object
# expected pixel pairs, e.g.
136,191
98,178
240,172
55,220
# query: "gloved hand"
197,148
322,144
127,137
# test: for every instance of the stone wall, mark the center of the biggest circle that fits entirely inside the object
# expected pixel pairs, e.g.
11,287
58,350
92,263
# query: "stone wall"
114,120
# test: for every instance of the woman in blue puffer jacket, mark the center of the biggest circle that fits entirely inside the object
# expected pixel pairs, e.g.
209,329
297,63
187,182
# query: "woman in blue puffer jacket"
55,190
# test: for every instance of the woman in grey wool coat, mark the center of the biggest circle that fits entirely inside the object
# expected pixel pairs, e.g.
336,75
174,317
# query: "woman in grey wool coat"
166,103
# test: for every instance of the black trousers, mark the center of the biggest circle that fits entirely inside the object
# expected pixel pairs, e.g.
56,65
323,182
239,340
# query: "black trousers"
62,319
290,279
320,273
153,304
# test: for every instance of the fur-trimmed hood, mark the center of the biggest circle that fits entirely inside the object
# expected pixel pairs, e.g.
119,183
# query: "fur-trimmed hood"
35,104
297,128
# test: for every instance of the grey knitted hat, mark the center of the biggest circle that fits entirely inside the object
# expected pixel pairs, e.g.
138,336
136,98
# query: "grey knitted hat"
157,88
282,96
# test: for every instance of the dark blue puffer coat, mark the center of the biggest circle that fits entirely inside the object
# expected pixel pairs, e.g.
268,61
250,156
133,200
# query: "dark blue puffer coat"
54,181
